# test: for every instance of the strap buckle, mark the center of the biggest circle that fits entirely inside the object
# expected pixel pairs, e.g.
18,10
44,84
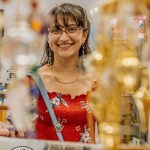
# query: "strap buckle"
58,127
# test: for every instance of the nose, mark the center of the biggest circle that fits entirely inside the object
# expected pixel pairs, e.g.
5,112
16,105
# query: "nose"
64,35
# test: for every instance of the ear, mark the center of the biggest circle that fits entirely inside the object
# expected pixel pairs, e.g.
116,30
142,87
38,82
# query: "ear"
85,34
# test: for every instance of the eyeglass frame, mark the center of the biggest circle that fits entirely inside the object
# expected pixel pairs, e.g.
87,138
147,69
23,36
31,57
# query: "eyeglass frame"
65,30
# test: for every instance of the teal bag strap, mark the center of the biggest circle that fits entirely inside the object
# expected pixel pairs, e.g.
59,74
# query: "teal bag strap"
36,77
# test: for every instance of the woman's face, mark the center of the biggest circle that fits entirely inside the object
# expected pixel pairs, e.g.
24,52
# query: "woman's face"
63,44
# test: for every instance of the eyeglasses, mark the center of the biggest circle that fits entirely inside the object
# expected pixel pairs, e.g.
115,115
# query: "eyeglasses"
70,31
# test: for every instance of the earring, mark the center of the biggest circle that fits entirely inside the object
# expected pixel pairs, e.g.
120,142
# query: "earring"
83,53
49,58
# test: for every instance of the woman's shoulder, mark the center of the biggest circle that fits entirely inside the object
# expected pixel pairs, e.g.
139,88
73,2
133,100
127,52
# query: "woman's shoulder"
89,79
45,73
44,70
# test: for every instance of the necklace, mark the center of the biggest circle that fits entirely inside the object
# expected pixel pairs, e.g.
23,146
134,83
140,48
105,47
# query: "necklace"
62,81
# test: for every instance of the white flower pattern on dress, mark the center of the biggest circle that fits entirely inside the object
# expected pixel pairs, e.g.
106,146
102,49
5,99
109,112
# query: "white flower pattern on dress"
85,136
86,106
78,128
41,117
62,120
57,100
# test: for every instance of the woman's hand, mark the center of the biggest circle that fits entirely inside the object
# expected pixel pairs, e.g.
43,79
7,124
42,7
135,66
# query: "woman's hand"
9,131
4,131
16,133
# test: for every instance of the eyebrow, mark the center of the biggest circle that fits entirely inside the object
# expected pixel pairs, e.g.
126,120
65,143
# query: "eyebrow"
63,26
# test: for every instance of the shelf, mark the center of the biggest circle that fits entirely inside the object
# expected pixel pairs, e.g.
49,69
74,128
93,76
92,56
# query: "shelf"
4,107
10,143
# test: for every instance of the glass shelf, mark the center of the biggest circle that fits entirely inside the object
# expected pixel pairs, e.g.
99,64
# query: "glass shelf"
28,144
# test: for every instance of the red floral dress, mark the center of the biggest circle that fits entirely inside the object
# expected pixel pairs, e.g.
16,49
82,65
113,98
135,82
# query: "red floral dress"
73,116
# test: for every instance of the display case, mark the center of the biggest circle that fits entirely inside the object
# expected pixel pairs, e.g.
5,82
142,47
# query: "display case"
28,144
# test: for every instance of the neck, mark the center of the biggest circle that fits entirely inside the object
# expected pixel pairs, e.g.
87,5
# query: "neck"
65,67
68,74
66,70
62,64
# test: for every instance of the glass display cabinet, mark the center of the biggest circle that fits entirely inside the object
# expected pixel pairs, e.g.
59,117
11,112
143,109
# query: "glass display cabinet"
28,144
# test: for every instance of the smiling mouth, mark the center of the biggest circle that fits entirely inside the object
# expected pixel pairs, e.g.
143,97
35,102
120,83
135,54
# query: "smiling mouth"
64,45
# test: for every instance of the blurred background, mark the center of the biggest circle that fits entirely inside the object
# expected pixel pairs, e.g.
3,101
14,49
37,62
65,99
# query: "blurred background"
23,8
120,41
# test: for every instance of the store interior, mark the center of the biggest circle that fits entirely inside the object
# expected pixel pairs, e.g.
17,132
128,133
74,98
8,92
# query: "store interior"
120,61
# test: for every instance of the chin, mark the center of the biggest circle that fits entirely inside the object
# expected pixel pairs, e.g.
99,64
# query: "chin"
66,54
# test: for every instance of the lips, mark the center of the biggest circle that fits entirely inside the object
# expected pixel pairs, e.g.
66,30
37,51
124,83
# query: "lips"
64,45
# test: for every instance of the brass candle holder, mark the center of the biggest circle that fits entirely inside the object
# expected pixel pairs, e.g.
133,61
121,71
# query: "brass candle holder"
117,66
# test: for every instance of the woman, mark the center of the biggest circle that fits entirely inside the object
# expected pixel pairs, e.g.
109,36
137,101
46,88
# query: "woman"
66,83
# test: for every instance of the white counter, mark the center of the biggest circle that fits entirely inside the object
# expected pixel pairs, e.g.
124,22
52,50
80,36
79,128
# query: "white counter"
28,144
